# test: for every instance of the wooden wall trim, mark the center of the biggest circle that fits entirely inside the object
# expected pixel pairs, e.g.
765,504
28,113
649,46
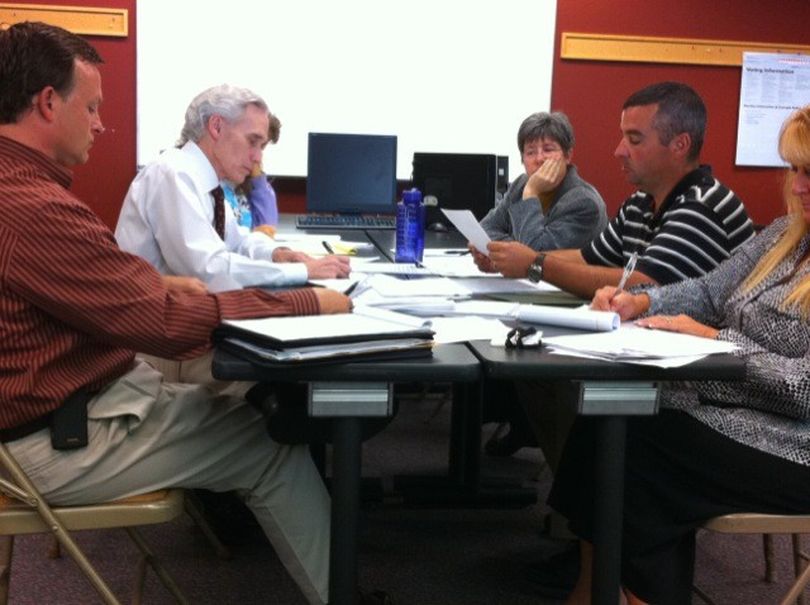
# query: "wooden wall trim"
691,51
77,19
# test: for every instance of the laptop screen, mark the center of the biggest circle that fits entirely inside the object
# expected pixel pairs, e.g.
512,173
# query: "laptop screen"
351,173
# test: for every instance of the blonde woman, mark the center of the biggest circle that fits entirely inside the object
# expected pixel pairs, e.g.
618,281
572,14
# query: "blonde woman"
716,447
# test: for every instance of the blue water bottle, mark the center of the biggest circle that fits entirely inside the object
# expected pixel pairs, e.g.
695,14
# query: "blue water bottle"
410,227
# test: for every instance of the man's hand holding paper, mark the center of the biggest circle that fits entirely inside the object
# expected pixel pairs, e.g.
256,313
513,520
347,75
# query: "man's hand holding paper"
468,226
512,259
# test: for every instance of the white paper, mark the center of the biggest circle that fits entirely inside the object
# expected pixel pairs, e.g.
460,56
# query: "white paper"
392,287
445,252
293,329
580,318
299,236
487,308
360,266
462,329
456,266
422,306
772,86
503,285
392,316
632,343
468,226
336,283
669,362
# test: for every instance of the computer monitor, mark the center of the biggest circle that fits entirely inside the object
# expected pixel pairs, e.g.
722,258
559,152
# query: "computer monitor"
351,173
458,181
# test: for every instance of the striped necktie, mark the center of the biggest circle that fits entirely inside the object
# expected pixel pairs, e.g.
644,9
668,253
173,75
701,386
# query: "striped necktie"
219,211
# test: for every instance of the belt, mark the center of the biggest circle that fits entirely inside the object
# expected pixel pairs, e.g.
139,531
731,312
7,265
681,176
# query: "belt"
23,430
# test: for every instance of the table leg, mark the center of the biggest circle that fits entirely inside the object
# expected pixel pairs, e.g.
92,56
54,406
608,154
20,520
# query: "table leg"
609,475
465,438
346,449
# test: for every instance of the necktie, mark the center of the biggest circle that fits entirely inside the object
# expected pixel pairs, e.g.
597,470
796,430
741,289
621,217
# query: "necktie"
219,211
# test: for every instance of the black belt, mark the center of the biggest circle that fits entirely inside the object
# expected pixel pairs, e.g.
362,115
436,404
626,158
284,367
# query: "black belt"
23,430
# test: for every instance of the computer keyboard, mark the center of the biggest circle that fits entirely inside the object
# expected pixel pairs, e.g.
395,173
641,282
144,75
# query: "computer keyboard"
344,221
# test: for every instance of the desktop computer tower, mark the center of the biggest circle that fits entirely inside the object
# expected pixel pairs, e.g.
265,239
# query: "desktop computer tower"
459,181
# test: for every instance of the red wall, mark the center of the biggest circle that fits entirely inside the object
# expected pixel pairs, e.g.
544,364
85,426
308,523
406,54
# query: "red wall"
592,92
104,180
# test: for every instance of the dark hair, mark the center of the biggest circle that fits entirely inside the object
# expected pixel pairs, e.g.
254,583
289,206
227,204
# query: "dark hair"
680,109
33,56
542,125
274,130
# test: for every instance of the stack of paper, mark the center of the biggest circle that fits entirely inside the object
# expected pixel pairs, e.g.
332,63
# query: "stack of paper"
640,345
325,338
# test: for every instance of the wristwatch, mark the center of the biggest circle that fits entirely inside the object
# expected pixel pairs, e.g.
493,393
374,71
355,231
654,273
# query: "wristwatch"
535,273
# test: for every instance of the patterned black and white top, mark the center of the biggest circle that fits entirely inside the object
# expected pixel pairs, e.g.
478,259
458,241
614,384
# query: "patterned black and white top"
770,409
699,224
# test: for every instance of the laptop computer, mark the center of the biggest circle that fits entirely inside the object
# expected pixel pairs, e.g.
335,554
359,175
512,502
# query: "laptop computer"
351,181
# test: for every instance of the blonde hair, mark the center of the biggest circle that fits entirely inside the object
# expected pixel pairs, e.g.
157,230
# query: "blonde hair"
794,148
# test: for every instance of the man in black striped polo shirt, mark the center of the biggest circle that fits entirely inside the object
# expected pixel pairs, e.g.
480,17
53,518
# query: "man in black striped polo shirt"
682,222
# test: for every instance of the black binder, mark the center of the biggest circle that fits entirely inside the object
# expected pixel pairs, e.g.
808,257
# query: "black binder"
322,339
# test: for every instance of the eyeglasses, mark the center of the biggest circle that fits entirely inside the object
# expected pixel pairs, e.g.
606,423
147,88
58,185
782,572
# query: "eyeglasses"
544,150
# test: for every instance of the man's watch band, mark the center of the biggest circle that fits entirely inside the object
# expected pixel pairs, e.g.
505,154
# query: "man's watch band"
535,273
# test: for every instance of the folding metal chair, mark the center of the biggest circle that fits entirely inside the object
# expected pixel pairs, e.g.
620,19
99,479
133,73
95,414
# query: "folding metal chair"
24,511
754,523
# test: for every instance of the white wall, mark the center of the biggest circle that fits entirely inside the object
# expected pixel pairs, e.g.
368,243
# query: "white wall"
442,75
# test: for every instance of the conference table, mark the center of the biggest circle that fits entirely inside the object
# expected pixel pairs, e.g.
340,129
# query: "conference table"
348,392
610,392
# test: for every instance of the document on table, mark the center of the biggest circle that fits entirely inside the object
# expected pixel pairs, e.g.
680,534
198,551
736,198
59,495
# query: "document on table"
502,285
325,352
468,226
359,266
306,330
388,286
445,252
634,344
462,329
455,266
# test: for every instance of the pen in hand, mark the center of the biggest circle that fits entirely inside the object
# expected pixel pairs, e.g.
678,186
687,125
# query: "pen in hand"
328,247
628,271
348,291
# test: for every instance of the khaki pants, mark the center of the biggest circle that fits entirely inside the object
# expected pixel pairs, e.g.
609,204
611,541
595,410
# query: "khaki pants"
196,371
146,434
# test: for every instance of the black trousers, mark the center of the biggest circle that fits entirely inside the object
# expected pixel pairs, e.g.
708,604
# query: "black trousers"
678,474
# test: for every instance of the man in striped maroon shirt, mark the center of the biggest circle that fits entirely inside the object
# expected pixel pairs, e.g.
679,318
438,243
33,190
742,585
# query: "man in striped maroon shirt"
74,308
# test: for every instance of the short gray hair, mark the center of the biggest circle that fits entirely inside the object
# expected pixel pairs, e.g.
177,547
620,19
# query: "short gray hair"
223,100
544,125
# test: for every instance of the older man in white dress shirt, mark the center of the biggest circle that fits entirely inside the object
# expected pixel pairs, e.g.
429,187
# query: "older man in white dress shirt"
168,216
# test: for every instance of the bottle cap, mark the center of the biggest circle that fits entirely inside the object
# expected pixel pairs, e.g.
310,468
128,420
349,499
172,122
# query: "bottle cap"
412,196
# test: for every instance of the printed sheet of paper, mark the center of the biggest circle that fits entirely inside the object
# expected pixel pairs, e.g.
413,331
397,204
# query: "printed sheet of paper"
772,86
468,226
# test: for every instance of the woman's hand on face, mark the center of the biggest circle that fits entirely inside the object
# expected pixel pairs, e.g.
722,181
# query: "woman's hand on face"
546,178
